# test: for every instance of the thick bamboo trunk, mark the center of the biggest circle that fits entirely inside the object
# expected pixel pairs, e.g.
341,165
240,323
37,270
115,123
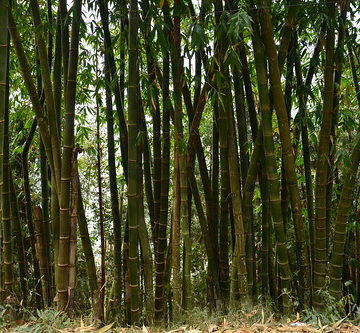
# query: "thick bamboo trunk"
161,239
4,186
271,168
320,254
146,255
175,243
63,262
287,151
177,75
133,190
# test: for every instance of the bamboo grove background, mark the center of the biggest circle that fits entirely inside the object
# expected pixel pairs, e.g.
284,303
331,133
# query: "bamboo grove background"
161,155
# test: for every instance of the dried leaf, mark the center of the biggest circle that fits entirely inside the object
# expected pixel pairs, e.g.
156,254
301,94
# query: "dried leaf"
212,328
105,328
180,329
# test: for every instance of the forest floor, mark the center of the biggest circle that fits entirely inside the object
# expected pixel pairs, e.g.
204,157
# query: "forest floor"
259,319
212,328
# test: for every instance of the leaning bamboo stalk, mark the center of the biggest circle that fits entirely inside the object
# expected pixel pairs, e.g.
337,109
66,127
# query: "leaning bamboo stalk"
47,85
33,94
89,257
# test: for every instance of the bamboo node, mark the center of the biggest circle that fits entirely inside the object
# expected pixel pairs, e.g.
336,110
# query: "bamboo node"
133,285
62,291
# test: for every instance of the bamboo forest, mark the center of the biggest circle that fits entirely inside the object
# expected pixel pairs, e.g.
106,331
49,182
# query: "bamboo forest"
162,156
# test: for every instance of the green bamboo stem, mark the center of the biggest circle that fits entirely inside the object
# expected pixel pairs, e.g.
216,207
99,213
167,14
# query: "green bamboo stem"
236,195
47,85
244,166
175,242
179,141
146,255
74,204
17,232
271,168
64,39
153,101
133,176
46,221
4,41
161,247
6,208
40,246
56,72
342,215
114,196
320,255
116,83
63,261
345,202
88,253
99,309
33,94
287,151
224,209
29,216
212,251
